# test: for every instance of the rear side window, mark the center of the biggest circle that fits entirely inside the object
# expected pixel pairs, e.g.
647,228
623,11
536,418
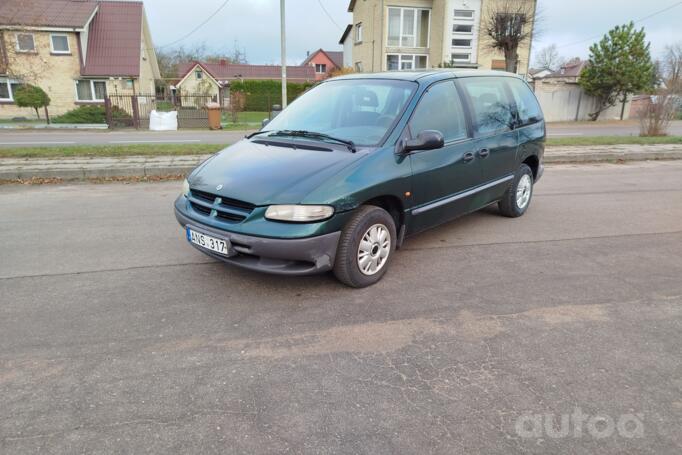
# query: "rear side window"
440,108
526,104
492,108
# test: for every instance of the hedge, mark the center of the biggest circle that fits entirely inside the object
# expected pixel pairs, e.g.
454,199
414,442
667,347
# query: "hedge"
261,95
91,114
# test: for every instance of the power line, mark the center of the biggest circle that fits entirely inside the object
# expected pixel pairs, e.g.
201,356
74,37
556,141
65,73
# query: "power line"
197,27
675,5
328,15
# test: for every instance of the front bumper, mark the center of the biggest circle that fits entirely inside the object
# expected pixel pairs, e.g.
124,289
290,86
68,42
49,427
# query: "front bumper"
305,256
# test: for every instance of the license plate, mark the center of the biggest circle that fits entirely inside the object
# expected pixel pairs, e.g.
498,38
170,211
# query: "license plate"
219,246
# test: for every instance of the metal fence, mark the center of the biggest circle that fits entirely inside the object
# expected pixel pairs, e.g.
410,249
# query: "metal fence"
238,109
133,111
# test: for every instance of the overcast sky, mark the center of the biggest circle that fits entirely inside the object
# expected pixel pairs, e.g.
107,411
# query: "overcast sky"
254,24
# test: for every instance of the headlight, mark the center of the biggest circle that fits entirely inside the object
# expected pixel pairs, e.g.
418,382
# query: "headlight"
185,188
299,213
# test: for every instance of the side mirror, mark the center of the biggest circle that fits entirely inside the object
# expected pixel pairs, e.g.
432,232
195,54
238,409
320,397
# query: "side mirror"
426,140
264,123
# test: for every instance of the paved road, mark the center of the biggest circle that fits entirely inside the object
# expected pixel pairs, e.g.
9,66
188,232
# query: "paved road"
118,337
40,138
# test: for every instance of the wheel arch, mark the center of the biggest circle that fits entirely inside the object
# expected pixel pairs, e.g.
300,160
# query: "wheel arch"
533,162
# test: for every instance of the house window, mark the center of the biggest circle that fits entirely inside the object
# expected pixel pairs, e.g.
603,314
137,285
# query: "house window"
408,27
460,57
405,62
461,43
199,74
358,67
91,91
320,68
358,33
462,28
7,89
25,42
59,44
464,14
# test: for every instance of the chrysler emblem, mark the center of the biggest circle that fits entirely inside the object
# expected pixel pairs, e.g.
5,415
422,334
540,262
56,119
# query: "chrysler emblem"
219,187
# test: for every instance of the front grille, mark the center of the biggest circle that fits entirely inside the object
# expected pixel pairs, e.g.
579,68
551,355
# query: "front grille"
226,209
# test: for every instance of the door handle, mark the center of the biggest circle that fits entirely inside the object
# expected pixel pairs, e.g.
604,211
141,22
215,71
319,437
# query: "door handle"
468,156
483,153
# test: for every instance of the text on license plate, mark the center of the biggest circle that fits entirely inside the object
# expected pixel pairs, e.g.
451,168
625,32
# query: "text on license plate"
208,242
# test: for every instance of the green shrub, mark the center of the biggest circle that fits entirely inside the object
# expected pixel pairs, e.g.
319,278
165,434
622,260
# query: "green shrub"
93,114
31,96
164,106
261,95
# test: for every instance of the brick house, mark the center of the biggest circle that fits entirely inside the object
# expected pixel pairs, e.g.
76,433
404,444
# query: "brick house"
75,50
324,62
213,79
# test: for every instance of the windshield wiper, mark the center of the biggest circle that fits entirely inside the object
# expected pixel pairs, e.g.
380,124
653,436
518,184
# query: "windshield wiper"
256,133
314,135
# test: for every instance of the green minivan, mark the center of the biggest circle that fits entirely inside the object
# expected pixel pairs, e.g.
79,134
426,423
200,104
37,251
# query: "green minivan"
343,175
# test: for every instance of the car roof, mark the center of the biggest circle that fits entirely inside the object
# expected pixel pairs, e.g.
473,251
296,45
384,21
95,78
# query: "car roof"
426,75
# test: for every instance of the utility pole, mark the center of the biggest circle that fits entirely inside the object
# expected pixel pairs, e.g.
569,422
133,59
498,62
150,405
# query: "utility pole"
284,53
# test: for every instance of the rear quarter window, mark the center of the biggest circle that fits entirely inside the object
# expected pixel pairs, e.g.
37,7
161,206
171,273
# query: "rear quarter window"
526,103
493,110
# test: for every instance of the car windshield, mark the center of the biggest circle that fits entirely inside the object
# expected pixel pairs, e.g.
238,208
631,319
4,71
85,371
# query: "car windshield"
358,110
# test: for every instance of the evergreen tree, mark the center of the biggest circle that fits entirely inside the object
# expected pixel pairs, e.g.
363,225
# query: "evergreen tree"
620,64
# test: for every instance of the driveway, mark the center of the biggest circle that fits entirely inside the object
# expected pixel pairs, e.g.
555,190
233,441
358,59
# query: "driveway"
117,336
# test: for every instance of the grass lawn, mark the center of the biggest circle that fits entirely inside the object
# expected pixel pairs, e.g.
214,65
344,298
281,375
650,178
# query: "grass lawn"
110,150
254,117
9,121
611,140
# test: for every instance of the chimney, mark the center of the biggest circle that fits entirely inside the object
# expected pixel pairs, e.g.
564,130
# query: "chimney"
307,54
223,62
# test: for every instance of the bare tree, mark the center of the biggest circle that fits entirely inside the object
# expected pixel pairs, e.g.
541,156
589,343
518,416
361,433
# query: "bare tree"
672,68
655,117
548,58
508,24
25,68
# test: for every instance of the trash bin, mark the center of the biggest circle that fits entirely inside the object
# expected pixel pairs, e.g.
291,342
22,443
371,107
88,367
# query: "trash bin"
213,116
274,112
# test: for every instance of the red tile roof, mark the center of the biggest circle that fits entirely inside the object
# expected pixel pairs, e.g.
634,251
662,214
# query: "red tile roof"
229,71
335,56
114,40
46,13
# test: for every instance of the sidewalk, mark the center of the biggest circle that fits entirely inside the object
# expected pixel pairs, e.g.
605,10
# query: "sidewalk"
143,166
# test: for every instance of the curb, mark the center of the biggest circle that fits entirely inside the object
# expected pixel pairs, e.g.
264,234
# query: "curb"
602,157
95,168
154,166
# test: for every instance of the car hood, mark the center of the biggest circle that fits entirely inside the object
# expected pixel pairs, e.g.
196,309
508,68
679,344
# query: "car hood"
264,174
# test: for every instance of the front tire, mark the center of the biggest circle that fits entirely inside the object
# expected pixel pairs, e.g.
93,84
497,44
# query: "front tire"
516,199
366,247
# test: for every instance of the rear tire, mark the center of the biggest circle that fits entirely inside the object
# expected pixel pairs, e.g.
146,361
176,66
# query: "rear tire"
516,199
366,246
